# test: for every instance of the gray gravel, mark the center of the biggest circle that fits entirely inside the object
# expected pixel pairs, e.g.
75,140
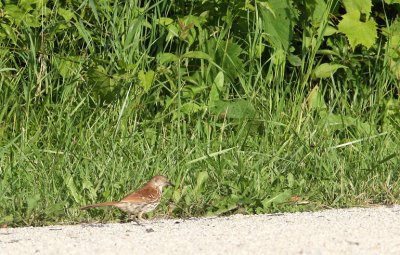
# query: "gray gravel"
349,231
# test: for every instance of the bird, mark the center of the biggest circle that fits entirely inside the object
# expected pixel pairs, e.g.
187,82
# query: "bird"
144,200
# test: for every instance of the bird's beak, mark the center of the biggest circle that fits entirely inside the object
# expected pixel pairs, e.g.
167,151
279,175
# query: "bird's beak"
170,184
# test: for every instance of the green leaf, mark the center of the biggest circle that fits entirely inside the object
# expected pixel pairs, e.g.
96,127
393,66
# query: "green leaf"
15,13
69,182
356,31
278,21
177,195
32,204
219,80
360,6
223,210
235,109
214,95
326,70
146,79
31,21
27,4
392,48
294,60
10,32
290,179
329,30
93,7
6,219
259,49
19,15
190,107
280,198
66,14
83,32
167,57
68,66
87,185
100,79
188,197
201,179
164,21
335,122
315,99
173,31
197,54
55,210
392,1
7,69
226,55
316,10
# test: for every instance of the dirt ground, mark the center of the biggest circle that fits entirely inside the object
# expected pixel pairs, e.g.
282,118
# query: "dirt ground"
347,231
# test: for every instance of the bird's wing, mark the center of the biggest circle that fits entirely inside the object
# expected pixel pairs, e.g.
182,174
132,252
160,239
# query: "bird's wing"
146,194
99,205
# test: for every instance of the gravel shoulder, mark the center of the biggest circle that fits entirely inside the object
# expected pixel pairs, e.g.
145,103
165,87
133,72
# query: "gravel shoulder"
345,231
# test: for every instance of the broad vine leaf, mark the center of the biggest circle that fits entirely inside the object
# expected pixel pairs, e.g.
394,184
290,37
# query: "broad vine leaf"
362,6
356,31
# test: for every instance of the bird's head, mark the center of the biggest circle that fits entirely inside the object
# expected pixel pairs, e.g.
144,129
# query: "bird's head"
160,181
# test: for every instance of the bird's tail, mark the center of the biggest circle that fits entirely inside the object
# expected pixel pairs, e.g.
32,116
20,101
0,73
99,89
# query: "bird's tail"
99,205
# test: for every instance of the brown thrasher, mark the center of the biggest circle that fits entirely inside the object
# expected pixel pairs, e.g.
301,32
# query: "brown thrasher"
144,200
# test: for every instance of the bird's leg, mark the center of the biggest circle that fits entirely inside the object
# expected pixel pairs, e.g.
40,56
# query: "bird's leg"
145,223
132,218
140,218
135,219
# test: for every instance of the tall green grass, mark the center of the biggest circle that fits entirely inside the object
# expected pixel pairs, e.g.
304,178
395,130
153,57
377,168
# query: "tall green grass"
91,109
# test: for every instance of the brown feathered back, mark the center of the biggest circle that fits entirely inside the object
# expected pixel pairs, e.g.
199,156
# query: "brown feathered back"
148,193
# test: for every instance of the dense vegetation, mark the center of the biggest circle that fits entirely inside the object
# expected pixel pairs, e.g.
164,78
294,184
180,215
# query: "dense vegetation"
248,106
